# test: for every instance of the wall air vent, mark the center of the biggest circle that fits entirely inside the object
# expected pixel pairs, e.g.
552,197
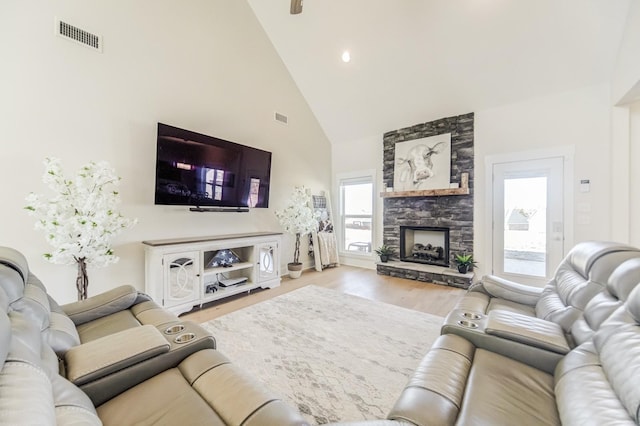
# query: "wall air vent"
281,118
79,35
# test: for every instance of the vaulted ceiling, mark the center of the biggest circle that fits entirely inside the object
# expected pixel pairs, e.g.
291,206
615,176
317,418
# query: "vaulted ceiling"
417,60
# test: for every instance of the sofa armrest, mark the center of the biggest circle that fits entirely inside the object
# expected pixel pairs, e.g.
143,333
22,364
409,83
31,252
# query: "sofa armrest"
101,357
511,290
473,327
105,388
101,305
237,398
528,330
434,393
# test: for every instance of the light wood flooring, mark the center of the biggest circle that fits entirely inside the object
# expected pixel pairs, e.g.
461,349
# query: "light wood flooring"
416,295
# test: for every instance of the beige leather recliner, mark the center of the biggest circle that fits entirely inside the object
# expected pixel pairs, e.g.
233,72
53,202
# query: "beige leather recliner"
500,305
596,383
79,322
151,368
542,343
581,275
623,280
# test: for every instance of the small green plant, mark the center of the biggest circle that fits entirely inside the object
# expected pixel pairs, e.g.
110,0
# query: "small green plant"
465,262
465,259
385,250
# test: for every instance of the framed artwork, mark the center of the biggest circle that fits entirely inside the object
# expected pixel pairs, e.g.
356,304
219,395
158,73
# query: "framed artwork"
422,163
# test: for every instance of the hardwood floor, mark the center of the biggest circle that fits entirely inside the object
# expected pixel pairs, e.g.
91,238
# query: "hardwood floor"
416,295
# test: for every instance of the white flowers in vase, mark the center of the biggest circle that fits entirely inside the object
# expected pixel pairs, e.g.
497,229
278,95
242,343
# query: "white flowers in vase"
297,217
80,219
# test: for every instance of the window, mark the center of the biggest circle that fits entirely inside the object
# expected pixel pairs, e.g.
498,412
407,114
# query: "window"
214,180
356,214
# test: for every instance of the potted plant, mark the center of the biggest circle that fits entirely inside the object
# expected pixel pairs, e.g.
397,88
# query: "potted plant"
80,219
384,251
297,218
465,262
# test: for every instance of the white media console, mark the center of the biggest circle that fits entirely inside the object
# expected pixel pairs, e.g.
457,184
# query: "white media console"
178,275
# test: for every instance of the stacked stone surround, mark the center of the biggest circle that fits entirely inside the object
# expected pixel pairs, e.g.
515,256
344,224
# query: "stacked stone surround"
453,211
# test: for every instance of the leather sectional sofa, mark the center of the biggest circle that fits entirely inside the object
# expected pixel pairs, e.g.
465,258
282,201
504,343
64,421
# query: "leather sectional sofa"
116,359
514,355
508,355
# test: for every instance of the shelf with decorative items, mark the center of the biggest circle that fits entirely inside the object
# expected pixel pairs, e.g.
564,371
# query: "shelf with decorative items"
463,189
225,270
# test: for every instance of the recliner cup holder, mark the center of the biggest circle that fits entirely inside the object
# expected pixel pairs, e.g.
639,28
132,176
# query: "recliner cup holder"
174,329
185,337
471,315
469,324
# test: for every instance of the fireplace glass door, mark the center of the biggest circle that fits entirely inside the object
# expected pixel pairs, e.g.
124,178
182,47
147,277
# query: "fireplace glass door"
424,244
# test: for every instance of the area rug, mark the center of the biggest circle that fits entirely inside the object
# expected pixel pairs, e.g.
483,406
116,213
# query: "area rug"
335,356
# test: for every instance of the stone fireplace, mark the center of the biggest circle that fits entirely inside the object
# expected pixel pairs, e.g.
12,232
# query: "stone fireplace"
439,211
424,244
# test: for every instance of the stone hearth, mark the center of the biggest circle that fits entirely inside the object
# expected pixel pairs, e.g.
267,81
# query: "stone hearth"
453,212
426,273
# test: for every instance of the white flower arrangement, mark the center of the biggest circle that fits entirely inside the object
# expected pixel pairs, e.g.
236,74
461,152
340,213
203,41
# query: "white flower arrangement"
80,219
297,217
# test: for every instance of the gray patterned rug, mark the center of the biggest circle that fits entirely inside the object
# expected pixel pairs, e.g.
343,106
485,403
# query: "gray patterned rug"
334,356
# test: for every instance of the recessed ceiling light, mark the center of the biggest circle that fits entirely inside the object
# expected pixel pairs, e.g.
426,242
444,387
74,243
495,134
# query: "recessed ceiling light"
346,56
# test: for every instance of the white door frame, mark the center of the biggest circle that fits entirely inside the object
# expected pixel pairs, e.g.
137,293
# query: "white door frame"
567,153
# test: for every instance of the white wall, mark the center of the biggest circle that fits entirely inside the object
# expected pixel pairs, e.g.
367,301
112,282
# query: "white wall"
579,118
634,175
207,67
620,172
626,76
625,132
360,155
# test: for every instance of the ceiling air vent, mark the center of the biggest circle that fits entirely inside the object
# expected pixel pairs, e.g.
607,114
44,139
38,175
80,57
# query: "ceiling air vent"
79,35
281,118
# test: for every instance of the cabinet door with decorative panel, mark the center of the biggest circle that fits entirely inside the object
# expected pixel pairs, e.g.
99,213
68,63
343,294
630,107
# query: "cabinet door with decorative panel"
268,262
182,278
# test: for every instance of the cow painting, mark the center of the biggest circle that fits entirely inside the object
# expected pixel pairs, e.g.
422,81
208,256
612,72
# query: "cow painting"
423,163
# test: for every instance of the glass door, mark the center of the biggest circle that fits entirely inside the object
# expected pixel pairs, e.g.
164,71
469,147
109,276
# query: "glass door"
528,230
268,262
182,278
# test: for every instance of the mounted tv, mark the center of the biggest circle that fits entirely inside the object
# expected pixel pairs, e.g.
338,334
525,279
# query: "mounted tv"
209,173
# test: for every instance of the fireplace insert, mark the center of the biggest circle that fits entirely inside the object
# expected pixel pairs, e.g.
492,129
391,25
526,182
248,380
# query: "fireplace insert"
424,244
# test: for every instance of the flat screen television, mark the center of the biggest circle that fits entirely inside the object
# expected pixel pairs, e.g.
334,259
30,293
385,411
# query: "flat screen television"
202,171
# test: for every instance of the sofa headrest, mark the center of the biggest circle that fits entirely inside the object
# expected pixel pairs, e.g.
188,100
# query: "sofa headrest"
11,283
5,328
624,279
16,260
617,343
633,304
583,255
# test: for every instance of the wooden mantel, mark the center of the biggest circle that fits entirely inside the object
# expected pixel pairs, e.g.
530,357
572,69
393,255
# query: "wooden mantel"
462,190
